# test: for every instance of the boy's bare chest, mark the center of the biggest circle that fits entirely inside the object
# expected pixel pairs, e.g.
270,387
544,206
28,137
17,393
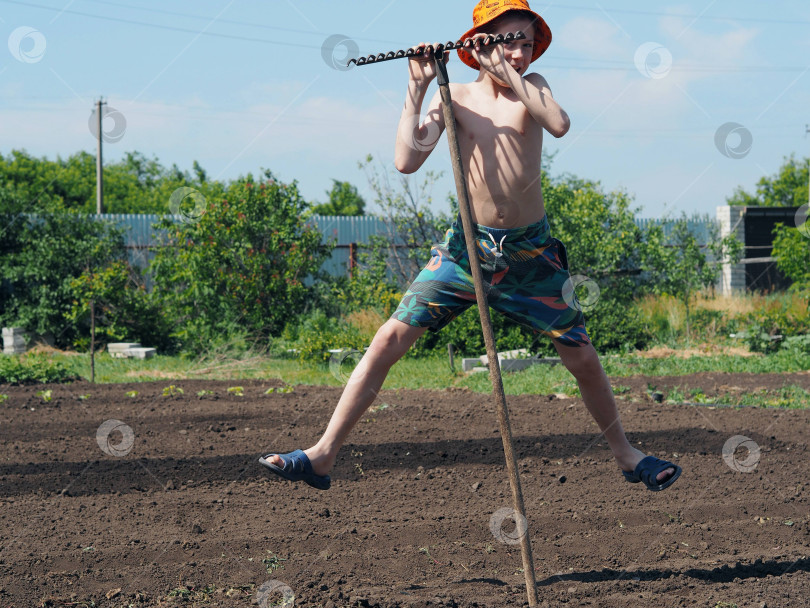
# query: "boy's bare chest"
494,119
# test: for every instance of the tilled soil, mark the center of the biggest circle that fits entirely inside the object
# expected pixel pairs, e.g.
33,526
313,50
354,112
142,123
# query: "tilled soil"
168,506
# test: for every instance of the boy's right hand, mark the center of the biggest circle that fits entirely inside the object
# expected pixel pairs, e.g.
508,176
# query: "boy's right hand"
422,67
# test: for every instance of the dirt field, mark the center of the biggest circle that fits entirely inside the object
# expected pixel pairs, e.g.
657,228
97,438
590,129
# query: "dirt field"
173,509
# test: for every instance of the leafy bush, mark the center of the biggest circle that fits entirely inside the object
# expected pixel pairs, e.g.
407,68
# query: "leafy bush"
243,262
135,184
786,314
314,335
605,244
798,345
616,326
43,260
791,248
412,224
31,369
465,334
369,288
786,188
760,341
124,311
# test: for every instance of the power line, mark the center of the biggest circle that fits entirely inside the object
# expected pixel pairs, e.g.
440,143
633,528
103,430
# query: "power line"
675,68
621,68
221,20
681,15
307,32
568,7
160,26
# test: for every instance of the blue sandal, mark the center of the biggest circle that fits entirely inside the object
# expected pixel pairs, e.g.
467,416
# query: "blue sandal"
648,470
297,467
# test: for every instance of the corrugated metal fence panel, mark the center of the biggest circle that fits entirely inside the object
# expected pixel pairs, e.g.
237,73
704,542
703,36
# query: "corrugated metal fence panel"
699,225
342,231
140,233
349,229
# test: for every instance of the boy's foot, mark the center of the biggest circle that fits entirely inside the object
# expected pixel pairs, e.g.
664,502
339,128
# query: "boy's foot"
295,466
320,464
656,474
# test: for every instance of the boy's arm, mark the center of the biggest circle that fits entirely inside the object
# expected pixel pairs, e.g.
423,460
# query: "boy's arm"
533,90
416,141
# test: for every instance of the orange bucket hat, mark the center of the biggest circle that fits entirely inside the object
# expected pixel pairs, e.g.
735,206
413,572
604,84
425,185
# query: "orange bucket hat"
488,10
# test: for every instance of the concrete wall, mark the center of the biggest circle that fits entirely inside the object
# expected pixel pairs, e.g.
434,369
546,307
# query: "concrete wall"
732,222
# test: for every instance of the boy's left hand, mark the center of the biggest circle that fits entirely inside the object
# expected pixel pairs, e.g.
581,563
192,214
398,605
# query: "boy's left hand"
491,57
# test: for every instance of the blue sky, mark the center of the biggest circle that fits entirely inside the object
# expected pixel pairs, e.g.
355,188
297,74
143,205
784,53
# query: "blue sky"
676,103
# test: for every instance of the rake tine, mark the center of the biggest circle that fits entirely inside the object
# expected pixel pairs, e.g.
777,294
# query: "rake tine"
437,49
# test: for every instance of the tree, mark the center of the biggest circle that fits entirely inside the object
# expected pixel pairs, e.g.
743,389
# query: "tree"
787,188
44,261
411,224
689,269
239,266
791,248
136,184
343,200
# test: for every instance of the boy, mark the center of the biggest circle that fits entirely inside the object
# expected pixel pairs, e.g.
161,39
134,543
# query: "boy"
500,120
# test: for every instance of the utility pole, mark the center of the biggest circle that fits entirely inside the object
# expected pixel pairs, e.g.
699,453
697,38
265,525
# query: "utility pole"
99,164
806,131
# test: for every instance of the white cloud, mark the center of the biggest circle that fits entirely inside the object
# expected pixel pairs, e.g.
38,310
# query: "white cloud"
699,47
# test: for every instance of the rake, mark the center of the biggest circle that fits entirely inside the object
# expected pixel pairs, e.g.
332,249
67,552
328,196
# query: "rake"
438,51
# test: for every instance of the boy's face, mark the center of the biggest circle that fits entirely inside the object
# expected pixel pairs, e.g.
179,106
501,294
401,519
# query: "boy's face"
519,52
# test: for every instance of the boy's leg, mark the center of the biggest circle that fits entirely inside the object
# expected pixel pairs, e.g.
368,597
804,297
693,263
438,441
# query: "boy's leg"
584,364
390,343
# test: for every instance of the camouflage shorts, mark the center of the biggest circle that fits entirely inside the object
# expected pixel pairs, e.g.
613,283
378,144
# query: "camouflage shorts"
525,272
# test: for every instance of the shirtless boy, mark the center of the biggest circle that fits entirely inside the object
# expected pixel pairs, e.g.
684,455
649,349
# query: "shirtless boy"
500,120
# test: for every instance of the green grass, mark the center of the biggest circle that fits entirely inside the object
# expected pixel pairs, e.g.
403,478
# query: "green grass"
435,373
782,361
789,397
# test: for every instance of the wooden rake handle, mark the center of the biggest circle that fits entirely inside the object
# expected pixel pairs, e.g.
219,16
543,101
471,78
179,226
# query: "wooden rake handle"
486,326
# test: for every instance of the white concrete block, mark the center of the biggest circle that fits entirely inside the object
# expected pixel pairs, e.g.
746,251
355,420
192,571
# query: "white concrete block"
141,352
120,347
14,340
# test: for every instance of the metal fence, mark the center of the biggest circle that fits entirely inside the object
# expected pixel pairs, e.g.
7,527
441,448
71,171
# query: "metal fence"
141,236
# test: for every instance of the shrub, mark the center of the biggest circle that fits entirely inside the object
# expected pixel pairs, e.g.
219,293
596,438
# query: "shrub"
243,262
124,311
616,326
33,368
45,262
465,334
316,334
791,249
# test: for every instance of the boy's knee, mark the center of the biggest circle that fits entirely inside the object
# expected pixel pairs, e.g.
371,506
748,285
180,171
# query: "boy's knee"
386,337
581,361
394,338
